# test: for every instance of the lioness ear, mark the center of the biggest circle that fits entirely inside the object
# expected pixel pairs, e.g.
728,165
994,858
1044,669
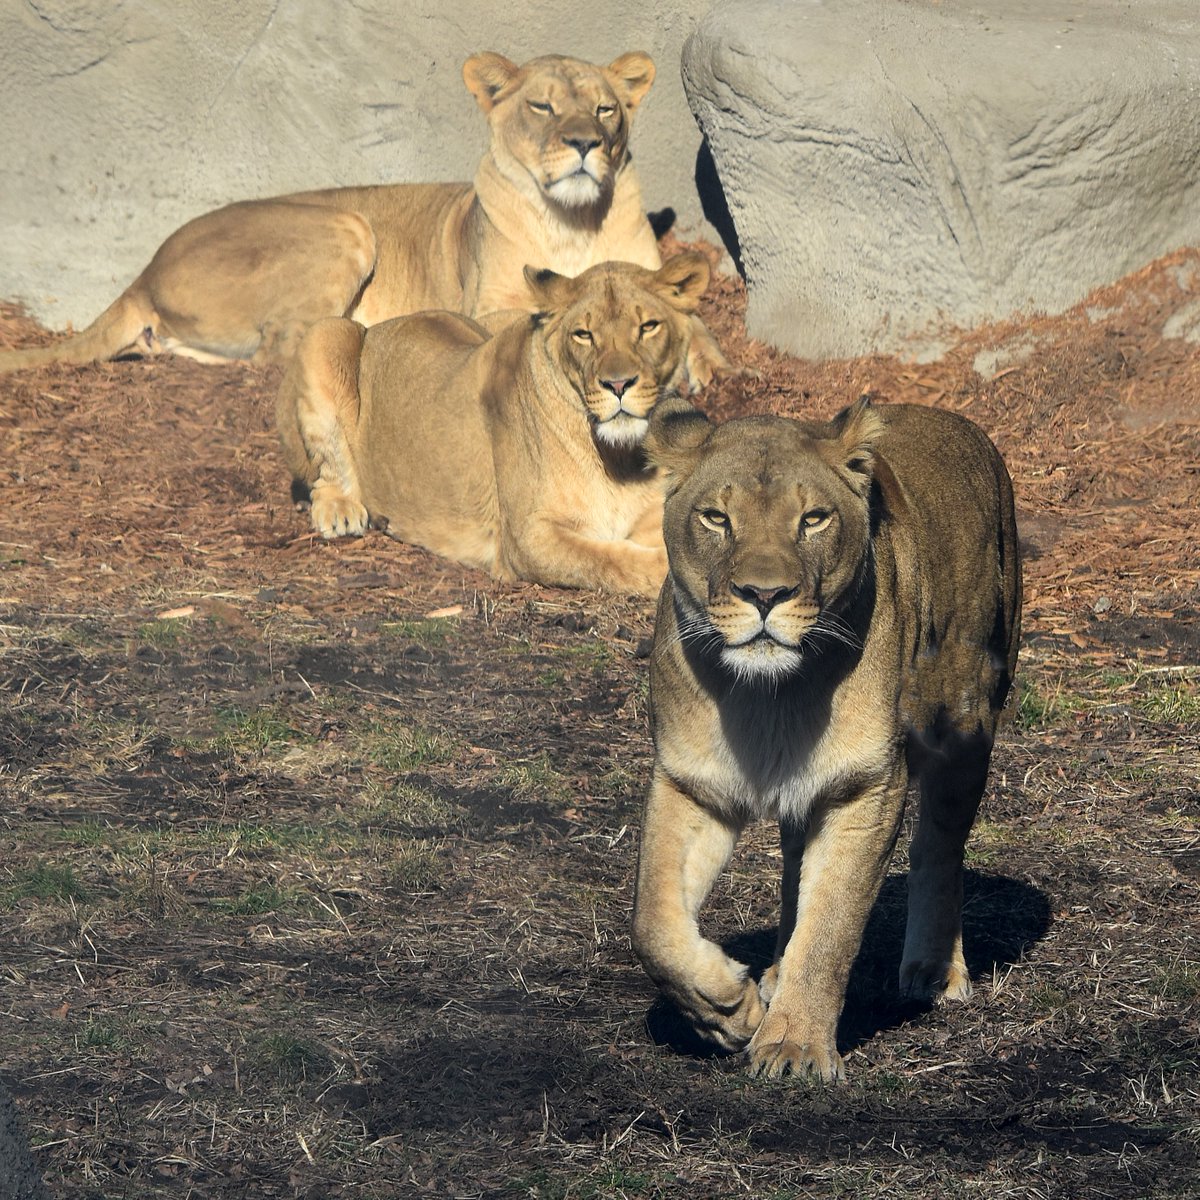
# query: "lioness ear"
631,76
682,280
487,75
856,430
550,289
677,434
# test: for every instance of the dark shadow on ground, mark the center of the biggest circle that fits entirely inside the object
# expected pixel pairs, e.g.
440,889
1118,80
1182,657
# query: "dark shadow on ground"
714,204
1002,919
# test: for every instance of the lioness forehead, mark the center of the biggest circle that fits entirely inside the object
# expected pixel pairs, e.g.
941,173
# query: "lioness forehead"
765,455
618,284
567,75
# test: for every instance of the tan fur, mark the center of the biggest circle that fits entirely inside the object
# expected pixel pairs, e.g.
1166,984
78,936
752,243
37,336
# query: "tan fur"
555,189
842,611
520,453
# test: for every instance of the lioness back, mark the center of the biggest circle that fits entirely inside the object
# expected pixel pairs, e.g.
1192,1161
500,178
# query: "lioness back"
953,532
842,609
423,248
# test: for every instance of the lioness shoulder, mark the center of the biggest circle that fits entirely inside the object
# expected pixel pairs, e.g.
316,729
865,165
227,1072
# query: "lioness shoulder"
520,453
842,606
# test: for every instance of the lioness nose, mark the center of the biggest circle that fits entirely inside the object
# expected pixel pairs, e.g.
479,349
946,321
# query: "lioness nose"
763,598
619,387
583,145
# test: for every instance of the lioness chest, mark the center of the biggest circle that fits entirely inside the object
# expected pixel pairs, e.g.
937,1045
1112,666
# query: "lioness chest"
776,757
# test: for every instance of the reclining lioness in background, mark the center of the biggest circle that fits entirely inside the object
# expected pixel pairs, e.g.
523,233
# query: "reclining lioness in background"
520,453
555,189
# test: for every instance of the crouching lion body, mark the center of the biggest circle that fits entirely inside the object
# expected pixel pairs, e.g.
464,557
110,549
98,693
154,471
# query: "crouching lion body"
842,612
520,452
555,189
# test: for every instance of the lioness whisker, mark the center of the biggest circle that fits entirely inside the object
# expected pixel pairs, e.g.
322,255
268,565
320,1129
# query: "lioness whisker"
832,627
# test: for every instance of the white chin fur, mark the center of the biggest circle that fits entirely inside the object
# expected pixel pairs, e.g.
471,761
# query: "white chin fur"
761,661
576,191
622,430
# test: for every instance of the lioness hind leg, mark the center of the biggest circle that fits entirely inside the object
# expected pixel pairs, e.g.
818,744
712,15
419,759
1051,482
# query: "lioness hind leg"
791,838
951,783
317,412
245,281
684,848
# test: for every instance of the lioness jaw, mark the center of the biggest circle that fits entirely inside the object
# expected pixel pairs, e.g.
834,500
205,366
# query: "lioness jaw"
842,611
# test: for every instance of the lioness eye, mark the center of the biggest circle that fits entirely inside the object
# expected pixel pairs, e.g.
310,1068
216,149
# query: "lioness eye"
714,519
582,335
605,110
814,521
649,327
540,106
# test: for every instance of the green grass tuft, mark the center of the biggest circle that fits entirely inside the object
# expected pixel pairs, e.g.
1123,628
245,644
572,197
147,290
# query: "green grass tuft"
44,881
536,777
284,1057
1037,709
400,748
427,631
416,867
257,900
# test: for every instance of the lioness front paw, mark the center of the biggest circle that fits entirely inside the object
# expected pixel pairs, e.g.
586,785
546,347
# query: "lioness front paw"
334,514
929,979
646,570
774,1053
729,1025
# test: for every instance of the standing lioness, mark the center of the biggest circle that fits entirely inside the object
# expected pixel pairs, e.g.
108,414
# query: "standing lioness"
842,611
519,453
554,189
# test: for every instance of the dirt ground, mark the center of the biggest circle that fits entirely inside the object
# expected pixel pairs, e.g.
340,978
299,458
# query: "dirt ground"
316,859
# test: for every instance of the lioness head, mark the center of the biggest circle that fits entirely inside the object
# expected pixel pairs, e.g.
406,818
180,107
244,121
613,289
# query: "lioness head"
768,530
620,335
560,126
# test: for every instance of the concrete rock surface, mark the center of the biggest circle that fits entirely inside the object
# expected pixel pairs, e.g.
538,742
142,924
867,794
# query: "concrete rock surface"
122,121
19,1177
896,166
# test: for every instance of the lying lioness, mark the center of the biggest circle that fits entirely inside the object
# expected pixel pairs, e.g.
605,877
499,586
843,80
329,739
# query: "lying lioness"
519,453
555,189
842,610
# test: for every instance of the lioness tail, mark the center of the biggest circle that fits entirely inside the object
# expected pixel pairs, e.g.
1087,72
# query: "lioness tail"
117,328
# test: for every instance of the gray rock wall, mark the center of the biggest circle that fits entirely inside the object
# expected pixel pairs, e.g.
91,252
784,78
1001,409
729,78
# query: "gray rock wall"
121,121
893,166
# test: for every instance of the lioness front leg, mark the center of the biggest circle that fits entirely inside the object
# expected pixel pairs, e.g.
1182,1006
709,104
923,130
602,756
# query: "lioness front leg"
705,359
316,412
550,550
648,529
684,848
845,857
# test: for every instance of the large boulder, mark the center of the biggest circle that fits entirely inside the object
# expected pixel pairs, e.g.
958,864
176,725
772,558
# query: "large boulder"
896,166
